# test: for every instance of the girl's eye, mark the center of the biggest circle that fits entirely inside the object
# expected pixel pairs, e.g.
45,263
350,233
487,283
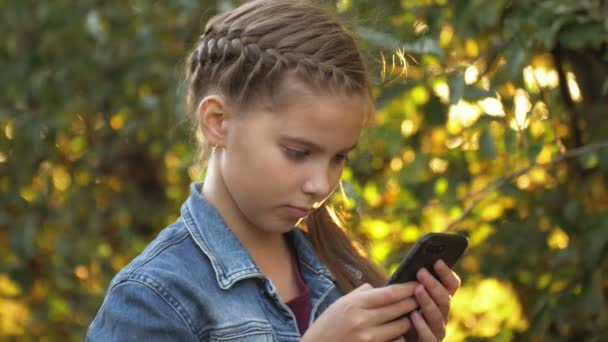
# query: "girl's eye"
341,158
295,154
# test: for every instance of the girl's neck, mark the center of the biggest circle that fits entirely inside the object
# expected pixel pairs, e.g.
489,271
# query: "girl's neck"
270,252
261,245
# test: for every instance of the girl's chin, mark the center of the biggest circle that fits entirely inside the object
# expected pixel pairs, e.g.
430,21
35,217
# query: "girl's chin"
280,226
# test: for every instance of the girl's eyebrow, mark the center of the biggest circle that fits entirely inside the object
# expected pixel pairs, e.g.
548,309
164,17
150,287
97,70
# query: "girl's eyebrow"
312,145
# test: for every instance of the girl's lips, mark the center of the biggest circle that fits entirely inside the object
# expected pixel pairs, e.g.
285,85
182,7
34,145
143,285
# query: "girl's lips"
298,212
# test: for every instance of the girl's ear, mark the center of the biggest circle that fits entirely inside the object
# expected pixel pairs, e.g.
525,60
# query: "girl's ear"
213,113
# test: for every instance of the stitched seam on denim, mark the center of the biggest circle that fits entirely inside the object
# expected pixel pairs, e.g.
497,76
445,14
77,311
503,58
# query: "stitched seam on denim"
157,288
258,328
320,272
290,336
244,334
158,250
244,274
319,301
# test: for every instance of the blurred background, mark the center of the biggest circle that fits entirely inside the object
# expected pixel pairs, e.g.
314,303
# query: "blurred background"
492,122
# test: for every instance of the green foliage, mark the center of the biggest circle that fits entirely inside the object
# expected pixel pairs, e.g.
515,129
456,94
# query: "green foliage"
491,122
514,162
95,149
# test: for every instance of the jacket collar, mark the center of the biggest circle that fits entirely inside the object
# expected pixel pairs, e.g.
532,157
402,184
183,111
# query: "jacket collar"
229,259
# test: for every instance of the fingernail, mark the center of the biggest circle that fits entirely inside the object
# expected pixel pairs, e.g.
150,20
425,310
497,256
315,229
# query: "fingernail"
426,274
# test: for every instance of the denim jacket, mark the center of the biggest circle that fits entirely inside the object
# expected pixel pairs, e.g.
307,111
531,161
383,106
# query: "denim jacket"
196,282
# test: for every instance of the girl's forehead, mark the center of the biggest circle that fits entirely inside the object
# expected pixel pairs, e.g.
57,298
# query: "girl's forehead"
327,120
294,93
310,102
326,117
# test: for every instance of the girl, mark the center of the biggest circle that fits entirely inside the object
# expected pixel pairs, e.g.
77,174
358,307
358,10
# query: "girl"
280,92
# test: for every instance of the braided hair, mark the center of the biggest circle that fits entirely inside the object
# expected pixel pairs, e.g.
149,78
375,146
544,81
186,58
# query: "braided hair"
246,53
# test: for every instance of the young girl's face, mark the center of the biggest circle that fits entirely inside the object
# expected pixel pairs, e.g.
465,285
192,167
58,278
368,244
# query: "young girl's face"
279,164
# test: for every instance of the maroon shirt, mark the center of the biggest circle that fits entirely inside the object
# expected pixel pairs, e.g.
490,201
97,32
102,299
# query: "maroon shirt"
300,305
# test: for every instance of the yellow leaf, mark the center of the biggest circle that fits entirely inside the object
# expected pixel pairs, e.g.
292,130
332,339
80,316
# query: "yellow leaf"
492,211
380,251
377,229
61,178
371,195
8,288
13,317
558,239
117,121
409,234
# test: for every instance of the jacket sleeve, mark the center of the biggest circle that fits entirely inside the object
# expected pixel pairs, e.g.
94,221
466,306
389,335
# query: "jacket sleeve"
136,311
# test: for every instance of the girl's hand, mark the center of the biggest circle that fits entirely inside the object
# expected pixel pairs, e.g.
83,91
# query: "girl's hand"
434,299
366,314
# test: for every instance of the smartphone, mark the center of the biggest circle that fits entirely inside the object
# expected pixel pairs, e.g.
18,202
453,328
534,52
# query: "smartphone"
427,250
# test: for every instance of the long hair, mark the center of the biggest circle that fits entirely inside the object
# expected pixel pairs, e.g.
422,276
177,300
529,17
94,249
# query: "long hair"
245,53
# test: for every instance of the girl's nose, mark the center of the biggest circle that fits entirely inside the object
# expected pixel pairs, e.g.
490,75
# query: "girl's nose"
318,183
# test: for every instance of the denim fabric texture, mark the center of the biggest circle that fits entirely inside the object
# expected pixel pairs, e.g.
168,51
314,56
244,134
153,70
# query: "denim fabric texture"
196,282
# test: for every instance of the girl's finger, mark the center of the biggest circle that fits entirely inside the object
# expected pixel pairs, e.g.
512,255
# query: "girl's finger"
422,329
400,339
431,312
391,312
392,330
436,290
449,278
382,296
363,287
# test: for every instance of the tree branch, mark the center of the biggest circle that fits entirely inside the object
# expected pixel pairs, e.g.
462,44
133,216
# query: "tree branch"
480,195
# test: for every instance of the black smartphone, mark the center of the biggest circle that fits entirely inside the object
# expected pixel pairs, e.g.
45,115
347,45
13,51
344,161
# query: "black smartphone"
427,250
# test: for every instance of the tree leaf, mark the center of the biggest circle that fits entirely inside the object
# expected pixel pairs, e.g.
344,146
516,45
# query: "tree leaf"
473,93
580,35
380,39
421,46
487,148
456,84
510,140
534,151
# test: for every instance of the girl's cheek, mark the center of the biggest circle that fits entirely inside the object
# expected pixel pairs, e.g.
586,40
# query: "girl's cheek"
337,172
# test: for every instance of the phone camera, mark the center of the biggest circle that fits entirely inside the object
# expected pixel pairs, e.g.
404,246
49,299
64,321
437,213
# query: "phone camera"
435,249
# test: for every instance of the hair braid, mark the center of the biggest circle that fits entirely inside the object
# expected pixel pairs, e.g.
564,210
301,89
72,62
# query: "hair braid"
232,45
233,51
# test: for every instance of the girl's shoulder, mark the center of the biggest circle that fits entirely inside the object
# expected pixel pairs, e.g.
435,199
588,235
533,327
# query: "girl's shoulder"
169,262
172,287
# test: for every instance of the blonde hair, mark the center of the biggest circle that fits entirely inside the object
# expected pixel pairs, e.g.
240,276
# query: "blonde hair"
244,54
